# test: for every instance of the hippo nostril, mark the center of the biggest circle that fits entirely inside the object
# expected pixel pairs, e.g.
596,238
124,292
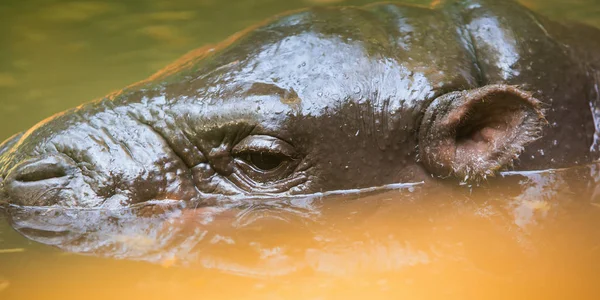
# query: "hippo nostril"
44,173
41,169
39,181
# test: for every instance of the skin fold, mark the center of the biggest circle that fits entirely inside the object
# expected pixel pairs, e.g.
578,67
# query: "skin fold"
328,99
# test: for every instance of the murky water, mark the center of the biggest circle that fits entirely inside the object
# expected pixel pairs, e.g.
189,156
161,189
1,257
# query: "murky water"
524,235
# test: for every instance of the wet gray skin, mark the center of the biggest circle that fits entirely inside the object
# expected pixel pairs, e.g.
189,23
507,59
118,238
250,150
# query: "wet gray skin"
328,99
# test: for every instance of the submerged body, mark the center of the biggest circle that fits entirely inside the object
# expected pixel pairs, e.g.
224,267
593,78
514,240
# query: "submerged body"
328,99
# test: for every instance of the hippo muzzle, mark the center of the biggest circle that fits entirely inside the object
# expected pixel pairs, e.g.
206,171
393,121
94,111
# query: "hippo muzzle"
326,99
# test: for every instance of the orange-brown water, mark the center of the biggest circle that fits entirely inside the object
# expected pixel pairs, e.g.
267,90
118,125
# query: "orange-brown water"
527,236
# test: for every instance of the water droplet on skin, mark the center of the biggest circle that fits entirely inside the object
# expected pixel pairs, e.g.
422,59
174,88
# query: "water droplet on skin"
170,177
356,89
320,94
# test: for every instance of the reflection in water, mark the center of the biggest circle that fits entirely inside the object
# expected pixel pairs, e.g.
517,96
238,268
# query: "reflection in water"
519,232
243,236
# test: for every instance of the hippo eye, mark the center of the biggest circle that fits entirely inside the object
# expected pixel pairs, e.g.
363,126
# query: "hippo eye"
265,161
263,154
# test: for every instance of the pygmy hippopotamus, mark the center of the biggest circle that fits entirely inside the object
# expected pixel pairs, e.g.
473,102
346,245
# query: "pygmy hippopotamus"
328,99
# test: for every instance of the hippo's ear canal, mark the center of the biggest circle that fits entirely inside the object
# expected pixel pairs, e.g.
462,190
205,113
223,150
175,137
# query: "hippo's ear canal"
473,134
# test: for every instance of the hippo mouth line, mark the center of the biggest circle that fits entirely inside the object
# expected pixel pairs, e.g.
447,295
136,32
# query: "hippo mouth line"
228,200
244,200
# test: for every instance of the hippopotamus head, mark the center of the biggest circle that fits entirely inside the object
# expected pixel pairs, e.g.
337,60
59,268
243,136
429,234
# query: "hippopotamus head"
319,100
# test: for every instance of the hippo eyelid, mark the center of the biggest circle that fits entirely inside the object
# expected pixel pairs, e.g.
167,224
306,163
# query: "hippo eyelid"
263,161
264,144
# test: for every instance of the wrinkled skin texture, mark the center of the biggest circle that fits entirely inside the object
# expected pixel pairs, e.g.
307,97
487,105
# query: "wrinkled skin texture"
328,99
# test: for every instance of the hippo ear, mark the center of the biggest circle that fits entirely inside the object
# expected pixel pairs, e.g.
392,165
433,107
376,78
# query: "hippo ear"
473,134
